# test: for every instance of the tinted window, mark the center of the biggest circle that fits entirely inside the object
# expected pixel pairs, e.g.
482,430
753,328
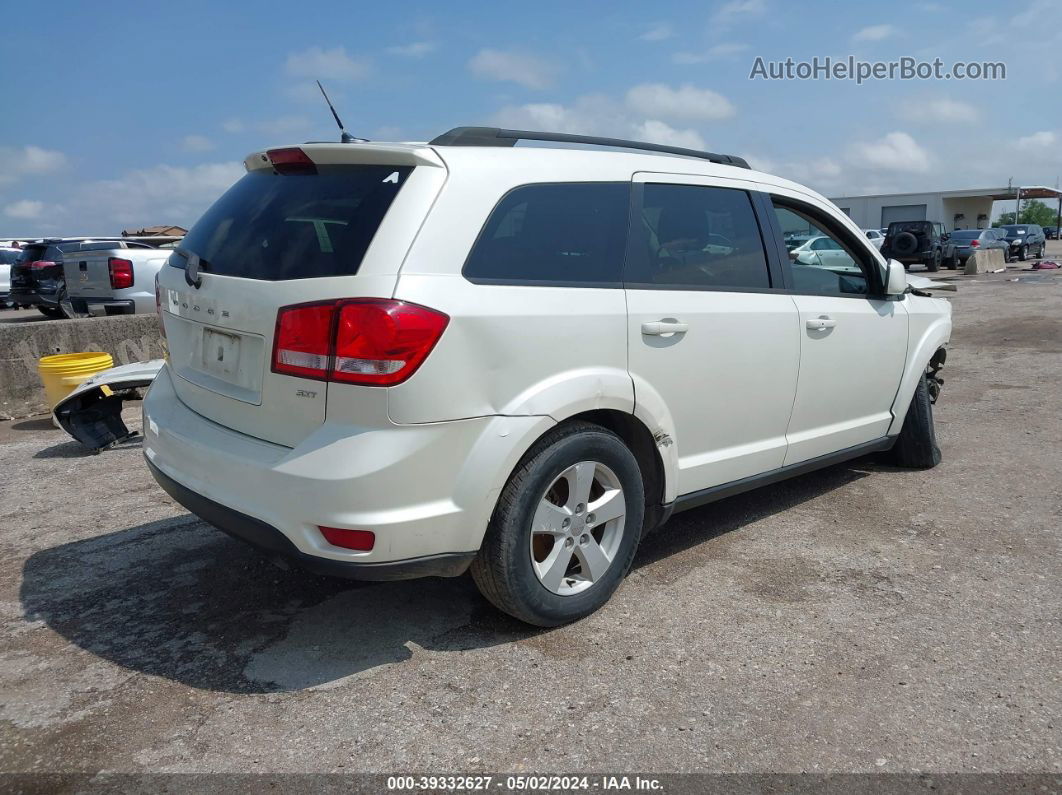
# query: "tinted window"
574,233
965,234
274,227
40,252
825,265
8,257
699,237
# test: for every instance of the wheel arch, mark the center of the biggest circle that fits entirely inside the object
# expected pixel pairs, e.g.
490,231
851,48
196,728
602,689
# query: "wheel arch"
934,338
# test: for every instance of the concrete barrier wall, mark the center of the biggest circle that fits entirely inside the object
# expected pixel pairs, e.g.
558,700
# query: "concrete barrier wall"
127,338
984,261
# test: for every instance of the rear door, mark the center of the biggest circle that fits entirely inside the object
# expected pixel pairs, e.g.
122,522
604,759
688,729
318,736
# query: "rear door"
711,334
276,239
853,344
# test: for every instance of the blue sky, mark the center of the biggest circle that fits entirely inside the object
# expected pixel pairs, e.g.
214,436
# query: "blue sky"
138,114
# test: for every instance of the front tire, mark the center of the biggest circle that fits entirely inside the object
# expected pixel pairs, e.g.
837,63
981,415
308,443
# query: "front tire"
934,263
916,446
1024,253
565,528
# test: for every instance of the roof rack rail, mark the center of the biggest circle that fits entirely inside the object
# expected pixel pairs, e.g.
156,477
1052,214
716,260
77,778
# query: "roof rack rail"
495,136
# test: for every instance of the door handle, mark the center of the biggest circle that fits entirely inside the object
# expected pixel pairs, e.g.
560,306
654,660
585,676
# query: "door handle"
820,323
659,327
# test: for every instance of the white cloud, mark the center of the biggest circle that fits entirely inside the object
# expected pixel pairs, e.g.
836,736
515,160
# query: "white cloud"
658,132
658,32
896,151
737,10
684,102
1038,140
19,161
938,109
25,209
196,143
875,33
317,63
416,49
724,50
522,68
233,126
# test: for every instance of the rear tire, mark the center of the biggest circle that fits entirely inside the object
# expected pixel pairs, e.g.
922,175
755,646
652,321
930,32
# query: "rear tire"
916,446
513,567
934,263
49,312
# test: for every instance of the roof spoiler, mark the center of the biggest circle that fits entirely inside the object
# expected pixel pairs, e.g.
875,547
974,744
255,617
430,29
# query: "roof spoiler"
495,136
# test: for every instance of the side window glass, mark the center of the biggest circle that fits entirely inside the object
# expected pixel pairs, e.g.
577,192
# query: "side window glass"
699,237
567,233
819,260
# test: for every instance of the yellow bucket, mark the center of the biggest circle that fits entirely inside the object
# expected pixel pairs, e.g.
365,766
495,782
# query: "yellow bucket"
61,373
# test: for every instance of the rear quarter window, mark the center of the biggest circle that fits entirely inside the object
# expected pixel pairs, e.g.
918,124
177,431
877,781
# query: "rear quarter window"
295,226
557,233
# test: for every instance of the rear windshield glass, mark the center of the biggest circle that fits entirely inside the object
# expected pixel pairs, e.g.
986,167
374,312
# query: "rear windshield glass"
35,253
274,227
965,234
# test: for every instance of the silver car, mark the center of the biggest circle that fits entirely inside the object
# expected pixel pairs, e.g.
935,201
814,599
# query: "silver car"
964,242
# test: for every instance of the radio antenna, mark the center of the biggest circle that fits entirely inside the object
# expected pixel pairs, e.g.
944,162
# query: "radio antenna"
344,136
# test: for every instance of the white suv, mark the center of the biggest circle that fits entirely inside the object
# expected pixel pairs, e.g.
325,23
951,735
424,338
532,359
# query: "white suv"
399,360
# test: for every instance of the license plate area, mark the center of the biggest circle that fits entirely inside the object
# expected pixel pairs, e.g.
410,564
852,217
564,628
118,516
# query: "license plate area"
220,354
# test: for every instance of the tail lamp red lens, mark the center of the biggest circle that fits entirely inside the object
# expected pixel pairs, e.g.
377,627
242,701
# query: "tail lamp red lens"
367,341
121,271
291,160
42,263
360,540
975,244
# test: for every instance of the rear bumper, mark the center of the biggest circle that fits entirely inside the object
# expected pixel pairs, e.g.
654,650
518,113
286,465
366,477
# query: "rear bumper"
278,547
102,306
425,491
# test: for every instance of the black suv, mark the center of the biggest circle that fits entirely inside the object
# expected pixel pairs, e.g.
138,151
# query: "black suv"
37,276
911,242
1025,239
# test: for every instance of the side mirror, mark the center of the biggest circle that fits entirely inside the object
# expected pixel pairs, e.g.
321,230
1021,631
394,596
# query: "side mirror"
895,278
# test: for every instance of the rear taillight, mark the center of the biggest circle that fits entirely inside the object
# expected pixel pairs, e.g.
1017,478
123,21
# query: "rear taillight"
291,161
360,540
302,344
975,244
42,263
121,272
368,341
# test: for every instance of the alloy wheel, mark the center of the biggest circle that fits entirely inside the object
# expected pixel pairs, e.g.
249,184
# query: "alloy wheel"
577,528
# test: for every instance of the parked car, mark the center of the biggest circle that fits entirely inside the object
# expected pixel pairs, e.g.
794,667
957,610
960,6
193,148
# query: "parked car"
1024,239
913,242
964,242
399,360
8,256
37,278
875,236
1051,232
113,281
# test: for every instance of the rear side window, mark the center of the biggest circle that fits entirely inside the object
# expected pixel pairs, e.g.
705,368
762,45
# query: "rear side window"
295,226
698,237
558,233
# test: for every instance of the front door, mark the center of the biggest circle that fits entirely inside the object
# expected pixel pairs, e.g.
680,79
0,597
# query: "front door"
853,345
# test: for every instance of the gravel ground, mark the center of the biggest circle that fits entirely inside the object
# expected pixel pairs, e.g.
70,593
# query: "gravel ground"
862,618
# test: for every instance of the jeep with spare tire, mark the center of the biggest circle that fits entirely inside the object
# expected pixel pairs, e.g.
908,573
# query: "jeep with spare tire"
913,242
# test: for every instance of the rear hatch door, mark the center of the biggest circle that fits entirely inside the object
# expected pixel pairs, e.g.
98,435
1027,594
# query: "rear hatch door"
277,239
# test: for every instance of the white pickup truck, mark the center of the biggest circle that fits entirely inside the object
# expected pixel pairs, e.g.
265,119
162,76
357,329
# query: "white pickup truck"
118,281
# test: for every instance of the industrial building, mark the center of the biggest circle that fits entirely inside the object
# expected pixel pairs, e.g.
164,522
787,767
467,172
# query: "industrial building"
956,209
